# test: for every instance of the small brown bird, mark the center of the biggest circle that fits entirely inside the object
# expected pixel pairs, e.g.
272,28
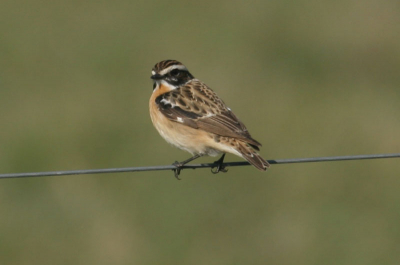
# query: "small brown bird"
190,116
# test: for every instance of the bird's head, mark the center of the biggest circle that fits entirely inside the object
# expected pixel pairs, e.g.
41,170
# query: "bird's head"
172,72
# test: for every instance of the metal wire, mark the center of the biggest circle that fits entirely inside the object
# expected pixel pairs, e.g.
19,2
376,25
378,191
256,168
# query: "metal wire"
193,166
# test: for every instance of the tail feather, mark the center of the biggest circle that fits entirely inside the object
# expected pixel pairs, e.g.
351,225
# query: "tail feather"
252,156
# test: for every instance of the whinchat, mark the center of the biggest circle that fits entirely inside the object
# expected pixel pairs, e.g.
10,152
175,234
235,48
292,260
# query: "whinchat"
190,116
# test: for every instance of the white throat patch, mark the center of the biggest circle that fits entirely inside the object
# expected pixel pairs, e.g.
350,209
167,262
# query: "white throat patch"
165,84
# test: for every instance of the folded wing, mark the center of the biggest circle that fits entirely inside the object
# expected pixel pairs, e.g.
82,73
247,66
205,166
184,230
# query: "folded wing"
197,106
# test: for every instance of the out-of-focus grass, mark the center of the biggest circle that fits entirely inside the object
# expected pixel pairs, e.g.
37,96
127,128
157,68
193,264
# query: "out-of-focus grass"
308,78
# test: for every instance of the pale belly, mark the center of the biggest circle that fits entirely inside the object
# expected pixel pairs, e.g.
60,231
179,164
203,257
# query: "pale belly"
186,138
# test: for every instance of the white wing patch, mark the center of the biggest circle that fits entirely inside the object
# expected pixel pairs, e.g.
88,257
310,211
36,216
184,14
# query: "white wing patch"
179,119
208,115
167,102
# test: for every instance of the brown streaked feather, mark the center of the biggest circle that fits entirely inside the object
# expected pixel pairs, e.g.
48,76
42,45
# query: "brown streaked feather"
252,157
164,64
197,106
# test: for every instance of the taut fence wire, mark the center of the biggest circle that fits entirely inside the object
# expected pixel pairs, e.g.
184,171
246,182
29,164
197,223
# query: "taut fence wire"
194,166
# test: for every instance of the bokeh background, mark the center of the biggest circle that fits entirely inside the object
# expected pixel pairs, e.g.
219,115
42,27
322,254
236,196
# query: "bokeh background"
308,78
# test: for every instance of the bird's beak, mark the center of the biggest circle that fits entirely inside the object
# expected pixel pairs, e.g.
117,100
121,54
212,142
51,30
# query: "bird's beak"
156,77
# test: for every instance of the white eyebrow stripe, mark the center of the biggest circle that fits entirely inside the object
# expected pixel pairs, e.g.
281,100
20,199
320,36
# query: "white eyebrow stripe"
172,67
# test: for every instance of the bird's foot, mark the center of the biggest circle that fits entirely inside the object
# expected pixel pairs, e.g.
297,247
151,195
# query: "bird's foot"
220,166
179,165
177,169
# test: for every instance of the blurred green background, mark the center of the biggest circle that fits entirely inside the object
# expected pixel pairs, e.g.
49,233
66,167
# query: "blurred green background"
308,78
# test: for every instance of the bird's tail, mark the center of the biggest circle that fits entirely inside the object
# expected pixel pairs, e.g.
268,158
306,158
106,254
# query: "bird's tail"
252,156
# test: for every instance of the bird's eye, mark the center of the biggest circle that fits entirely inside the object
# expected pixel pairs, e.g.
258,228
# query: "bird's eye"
175,72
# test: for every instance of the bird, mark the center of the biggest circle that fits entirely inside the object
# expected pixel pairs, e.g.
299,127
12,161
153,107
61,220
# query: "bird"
189,115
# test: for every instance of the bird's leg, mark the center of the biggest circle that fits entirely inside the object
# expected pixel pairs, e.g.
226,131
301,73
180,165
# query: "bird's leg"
220,165
179,165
